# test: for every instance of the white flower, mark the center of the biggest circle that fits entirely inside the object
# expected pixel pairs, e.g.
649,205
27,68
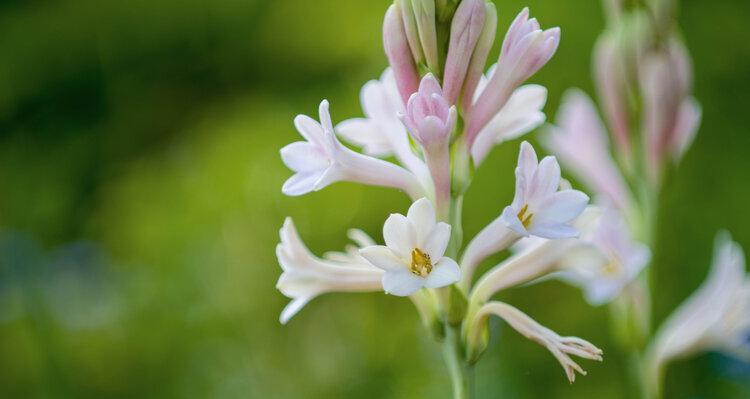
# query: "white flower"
715,317
306,276
610,264
580,141
538,207
321,160
560,347
380,133
520,115
413,255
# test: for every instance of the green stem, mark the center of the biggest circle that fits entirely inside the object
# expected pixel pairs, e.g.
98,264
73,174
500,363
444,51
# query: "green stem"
460,371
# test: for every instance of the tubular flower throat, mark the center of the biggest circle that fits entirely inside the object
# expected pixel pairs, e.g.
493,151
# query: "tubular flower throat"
421,265
523,217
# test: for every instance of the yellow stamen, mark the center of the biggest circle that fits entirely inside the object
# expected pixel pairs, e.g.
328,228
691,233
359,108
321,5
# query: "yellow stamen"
421,265
524,218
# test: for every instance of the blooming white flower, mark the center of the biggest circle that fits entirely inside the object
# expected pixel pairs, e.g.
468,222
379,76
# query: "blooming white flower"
321,160
413,255
560,347
610,264
306,276
520,115
715,317
526,49
380,133
577,127
538,207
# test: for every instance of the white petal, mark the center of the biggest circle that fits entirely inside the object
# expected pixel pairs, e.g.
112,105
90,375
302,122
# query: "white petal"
292,308
553,230
401,282
382,257
561,207
303,156
445,272
510,219
437,241
422,216
365,133
527,160
546,180
309,128
301,183
399,235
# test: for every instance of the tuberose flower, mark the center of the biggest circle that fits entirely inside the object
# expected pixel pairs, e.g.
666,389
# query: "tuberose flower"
538,207
715,317
413,256
429,117
321,160
381,133
306,276
526,49
610,264
562,348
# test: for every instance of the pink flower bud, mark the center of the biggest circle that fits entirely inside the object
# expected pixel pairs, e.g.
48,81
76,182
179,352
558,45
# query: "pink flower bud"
610,74
465,31
526,49
399,53
429,117
479,58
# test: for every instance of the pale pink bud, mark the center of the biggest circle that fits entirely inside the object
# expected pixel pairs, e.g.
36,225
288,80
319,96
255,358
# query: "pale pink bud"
399,53
410,29
610,75
479,58
465,31
429,117
525,50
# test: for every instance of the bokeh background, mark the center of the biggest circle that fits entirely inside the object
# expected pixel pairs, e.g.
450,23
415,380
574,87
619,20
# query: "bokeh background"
140,205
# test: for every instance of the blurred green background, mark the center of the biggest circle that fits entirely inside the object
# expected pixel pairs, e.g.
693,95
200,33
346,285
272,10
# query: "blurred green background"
140,205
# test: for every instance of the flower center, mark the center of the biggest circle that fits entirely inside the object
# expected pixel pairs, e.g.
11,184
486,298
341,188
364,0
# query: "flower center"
523,217
421,265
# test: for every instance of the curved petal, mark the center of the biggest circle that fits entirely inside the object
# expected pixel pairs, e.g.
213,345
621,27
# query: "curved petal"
546,180
302,156
301,183
445,272
401,282
437,241
364,133
510,219
309,128
562,207
422,216
292,308
382,257
527,160
553,230
399,235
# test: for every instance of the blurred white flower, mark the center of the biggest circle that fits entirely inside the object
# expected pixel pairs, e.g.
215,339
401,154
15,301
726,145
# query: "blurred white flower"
306,276
716,317
321,160
610,264
413,255
538,207
560,347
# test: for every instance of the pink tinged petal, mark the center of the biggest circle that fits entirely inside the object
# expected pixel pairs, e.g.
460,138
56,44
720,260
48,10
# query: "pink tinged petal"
381,257
511,221
515,30
302,156
444,272
686,126
399,235
561,207
421,214
399,54
401,282
612,86
519,198
546,180
465,30
437,240
474,74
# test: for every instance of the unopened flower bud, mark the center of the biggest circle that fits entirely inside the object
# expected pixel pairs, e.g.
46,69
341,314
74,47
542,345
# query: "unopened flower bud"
399,53
466,28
